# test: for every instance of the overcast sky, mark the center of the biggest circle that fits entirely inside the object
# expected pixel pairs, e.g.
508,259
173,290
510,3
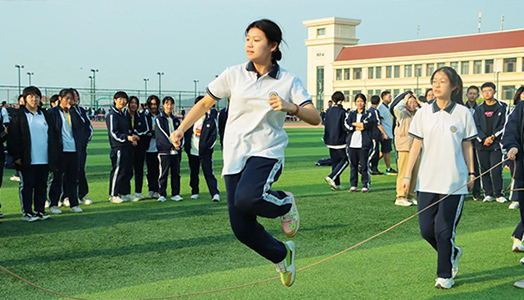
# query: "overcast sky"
60,41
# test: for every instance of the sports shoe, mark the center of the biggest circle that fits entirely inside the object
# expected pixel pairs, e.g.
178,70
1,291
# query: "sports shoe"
291,220
403,202
286,268
514,205
353,189
47,203
55,210
364,190
66,201
177,198
522,261
60,204
139,196
150,195
517,245
488,199
444,283
391,171
376,173
42,216
86,200
331,182
15,178
76,209
28,217
117,199
455,266
195,196
519,284
161,199
477,198
216,198
127,197
501,199
156,195
413,201
339,188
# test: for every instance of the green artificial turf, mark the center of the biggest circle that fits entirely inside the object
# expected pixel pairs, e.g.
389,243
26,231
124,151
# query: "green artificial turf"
150,249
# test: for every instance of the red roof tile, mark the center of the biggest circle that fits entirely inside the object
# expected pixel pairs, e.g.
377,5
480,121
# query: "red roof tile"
474,42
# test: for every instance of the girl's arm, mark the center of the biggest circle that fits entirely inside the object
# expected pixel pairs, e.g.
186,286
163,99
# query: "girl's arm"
413,156
467,151
308,113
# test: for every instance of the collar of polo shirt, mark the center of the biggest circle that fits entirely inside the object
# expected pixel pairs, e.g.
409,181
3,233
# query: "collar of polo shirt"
448,109
273,73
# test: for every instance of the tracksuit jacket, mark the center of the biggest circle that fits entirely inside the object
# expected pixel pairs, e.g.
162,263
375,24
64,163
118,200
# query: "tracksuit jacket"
368,120
497,121
77,126
208,135
163,143
335,133
119,128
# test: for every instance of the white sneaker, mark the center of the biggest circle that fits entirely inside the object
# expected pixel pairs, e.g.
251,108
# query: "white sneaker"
414,201
514,205
444,283
76,209
195,196
455,267
403,202
156,195
517,245
488,199
127,197
519,284
522,261
117,199
161,199
291,220
86,200
55,210
151,195
216,198
138,197
286,268
364,190
501,199
15,178
60,204
177,198
353,189
47,203
338,188
331,182
66,201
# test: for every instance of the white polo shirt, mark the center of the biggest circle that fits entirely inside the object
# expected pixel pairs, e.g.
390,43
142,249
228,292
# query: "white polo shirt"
442,166
253,127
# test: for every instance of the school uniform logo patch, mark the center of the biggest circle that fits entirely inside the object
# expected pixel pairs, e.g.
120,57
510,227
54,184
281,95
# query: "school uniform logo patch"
453,129
273,94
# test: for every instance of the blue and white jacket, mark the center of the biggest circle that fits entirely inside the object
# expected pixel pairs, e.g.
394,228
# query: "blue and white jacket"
208,135
163,143
368,120
118,128
498,120
335,132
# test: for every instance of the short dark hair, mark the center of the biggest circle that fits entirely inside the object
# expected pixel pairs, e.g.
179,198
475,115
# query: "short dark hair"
384,94
4,103
516,98
31,90
53,98
337,97
150,99
168,98
472,87
64,93
198,99
121,94
488,84
361,96
375,99
131,98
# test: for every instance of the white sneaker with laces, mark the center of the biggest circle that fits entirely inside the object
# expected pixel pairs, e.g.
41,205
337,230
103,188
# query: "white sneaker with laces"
522,261
331,182
55,210
455,267
47,204
403,202
66,201
177,198
156,195
216,198
291,220
444,283
501,199
286,268
127,197
15,178
87,200
517,245
151,195
414,201
519,284
364,190
195,196
514,205
353,189
161,199
488,199
76,209
338,188
117,199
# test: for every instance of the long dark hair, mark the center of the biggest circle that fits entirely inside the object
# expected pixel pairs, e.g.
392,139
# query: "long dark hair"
516,98
273,35
455,81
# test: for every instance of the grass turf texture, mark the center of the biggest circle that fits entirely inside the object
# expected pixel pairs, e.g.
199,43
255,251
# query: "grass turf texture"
150,249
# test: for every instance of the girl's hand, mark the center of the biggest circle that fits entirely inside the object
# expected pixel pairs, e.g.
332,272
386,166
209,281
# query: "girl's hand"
277,104
405,184
471,181
176,138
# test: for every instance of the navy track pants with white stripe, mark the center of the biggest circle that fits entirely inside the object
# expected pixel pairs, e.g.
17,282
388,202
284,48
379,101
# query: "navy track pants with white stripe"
207,168
249,196
438,227
339,162
121,172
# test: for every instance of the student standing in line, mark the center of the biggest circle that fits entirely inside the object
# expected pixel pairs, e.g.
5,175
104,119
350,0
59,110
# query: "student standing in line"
442,132
490,118
379,134
473,94
519,96
66,126
200,140
153,165
122,139
335,135
261,93
3,139
387,124
168,157
140,128
21,104
33,146
359,144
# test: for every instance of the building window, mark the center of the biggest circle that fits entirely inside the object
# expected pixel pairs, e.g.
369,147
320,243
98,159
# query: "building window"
488,67
408,71
417,92
378,72
430,68
510,64
464,67
396,92
523,64
346,96
441,64
396,72
370,72
455,65
507,92
377,92
338,74
320,87
346,74
321,31
357,73
418,70
355,92
477,67
388,71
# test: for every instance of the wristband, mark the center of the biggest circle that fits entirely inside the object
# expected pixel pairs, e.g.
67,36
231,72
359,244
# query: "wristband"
296,111
471,174
406,177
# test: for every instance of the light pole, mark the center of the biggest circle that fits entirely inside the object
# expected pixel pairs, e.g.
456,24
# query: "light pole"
160,83
93,95
30,74
19,79
196,85
145,83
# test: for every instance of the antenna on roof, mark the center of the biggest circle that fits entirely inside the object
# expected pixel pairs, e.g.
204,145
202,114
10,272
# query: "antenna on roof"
502,23
418,30
480,19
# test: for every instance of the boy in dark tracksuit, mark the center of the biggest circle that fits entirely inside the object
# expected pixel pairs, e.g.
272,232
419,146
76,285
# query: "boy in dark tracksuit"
140,128
169,158
32,144
121,139
200,142
67,126
335,135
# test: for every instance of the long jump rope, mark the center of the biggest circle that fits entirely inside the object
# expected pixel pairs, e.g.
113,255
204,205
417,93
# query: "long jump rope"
277,277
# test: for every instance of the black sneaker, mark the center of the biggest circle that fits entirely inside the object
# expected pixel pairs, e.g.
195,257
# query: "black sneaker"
376,173
390,171
42,216
29,217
